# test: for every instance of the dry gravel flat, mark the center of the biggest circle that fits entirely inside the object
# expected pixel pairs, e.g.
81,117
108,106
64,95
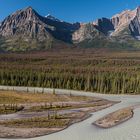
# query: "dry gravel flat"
85,130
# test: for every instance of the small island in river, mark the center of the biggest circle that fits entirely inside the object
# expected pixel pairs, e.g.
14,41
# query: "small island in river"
115,118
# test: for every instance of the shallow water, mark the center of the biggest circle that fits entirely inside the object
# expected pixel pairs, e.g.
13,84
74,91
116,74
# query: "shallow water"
129,130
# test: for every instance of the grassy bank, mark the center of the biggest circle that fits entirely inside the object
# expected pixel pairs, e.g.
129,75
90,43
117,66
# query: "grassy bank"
13,97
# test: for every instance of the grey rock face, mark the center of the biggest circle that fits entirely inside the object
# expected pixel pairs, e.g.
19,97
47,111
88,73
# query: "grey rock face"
122,26
135,25
28,24
122,21
85,32
104,25
116,24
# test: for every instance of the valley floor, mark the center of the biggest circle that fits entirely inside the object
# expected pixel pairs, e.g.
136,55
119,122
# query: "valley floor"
96,70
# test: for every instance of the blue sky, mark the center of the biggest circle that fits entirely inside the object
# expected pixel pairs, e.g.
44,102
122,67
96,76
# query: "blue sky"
70,10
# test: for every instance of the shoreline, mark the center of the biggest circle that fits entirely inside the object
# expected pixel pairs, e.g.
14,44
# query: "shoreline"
57,90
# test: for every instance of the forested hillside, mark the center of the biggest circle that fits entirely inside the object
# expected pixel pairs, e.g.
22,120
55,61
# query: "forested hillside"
90,70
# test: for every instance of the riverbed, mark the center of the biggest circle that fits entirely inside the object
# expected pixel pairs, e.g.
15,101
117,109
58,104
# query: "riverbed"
84,130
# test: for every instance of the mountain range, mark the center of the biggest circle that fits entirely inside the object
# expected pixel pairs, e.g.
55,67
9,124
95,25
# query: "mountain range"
26,30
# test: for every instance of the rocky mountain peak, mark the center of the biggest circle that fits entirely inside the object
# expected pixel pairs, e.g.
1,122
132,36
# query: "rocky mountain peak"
29,8
123,18
28,26
49,16
26,23
28,13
